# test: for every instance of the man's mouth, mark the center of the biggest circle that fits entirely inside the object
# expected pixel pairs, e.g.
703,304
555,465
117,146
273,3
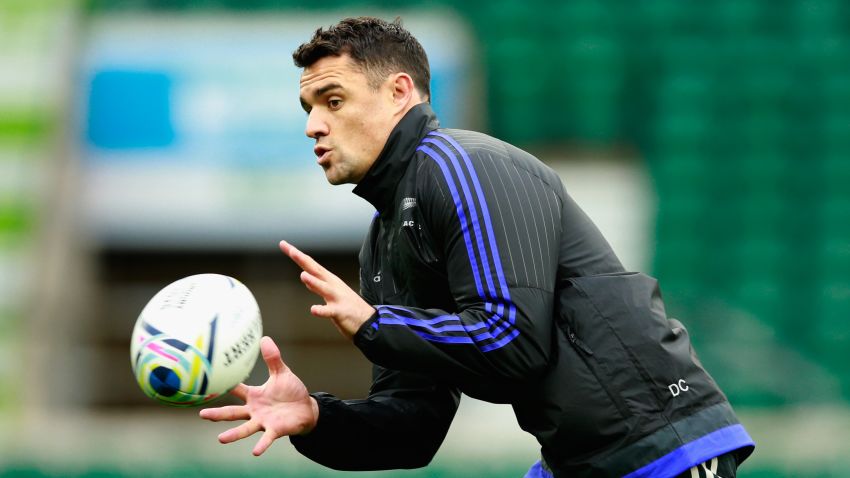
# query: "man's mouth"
322,153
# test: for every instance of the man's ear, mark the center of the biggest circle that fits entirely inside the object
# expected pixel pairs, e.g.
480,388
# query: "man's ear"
404,91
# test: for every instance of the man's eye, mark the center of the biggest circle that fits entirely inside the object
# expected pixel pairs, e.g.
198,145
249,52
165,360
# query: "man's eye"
334,103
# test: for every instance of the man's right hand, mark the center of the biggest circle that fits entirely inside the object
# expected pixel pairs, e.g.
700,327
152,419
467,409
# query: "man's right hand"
281,406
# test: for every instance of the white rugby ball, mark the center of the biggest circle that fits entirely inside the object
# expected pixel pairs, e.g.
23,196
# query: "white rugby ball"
196,339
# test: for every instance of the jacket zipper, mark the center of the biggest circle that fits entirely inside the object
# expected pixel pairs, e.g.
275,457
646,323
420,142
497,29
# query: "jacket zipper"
577,342
377,260
583,349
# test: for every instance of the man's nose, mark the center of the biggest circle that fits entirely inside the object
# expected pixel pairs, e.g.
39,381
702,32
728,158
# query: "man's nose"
316,126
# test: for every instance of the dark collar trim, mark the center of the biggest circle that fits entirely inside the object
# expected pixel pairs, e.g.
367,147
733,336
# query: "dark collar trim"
380,183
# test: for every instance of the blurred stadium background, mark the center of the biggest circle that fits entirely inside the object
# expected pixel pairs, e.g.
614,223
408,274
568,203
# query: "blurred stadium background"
145,140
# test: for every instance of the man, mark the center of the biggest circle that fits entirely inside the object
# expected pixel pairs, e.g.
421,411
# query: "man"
481,276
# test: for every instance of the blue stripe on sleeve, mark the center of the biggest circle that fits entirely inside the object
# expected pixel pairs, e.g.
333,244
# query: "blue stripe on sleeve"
460,213
390,318
431,321
487,222
698,451
497,325
473,213
445,339
500,343
486,330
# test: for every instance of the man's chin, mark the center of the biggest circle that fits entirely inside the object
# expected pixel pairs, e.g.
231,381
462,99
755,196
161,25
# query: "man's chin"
334,179
337,176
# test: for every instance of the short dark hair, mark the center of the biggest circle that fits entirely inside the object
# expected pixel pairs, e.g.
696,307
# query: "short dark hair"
379,47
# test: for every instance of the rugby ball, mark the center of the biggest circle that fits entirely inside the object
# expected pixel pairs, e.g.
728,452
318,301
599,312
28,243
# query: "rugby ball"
196,339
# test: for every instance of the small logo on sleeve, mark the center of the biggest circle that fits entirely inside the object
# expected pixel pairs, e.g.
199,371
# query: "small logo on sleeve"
408,203
678,387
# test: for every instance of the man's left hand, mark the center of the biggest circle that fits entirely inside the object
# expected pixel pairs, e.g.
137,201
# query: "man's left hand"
343,306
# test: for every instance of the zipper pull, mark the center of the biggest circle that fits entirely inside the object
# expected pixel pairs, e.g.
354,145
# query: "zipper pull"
578,343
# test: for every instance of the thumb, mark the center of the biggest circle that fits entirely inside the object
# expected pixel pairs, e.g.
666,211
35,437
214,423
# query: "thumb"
271,355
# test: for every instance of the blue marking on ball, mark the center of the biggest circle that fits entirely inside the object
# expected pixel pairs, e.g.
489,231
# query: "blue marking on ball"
164,381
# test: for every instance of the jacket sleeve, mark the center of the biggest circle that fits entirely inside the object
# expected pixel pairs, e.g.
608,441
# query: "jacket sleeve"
495,228
400,425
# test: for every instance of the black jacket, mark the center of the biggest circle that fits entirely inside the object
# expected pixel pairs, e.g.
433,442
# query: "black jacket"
489,280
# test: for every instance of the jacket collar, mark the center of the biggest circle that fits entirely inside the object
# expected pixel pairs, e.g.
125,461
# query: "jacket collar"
380,183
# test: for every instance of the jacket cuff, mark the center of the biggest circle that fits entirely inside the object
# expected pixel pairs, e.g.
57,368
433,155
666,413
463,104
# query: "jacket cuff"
324,424
367,332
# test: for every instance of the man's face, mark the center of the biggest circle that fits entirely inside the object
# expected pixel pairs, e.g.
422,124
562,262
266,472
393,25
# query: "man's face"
349,120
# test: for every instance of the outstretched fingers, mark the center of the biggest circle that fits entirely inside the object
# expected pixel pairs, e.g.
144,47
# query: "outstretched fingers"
271,355
316,285
265,442
237,433
240,391
228,413
322,311
304,261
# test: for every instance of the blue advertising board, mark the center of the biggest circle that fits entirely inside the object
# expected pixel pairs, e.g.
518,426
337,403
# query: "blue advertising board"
191,133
